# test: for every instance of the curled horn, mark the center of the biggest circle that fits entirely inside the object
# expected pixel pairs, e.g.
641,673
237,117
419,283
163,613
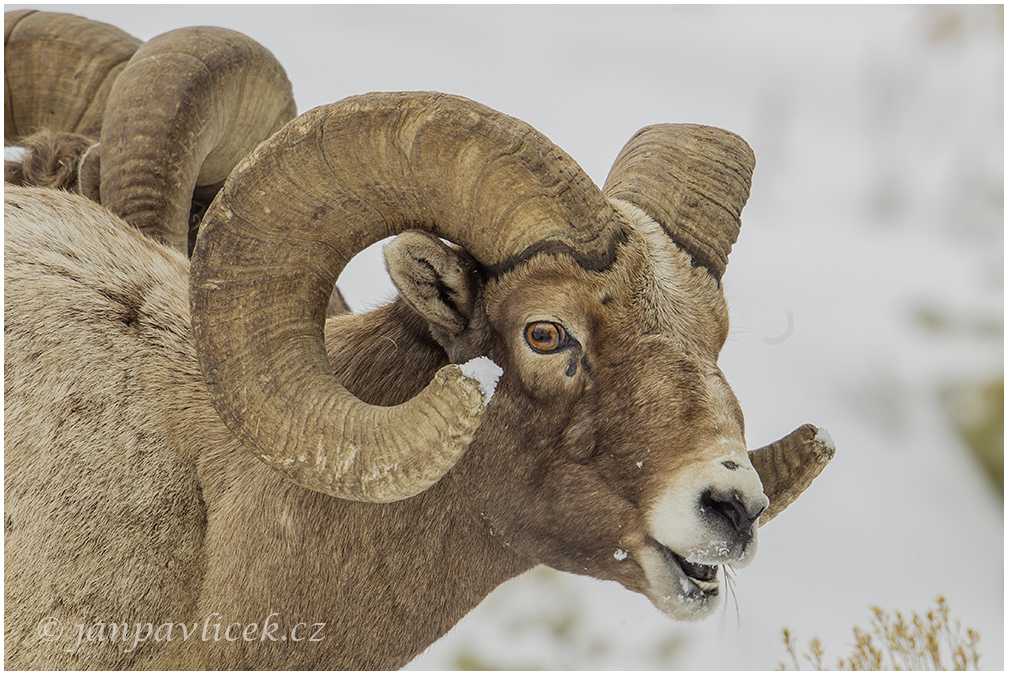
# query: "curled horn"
294,212
188,106
693,180
58,72
788,466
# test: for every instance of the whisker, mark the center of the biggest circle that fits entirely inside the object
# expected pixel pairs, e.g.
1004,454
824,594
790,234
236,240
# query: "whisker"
729,582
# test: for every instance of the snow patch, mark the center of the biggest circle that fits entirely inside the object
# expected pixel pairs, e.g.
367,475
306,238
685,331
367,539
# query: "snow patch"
620,555
823,437
485,372
13,153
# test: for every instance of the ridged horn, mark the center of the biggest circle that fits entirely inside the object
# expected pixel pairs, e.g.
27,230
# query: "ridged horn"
788,466
693,180
58,72
294,212
188,106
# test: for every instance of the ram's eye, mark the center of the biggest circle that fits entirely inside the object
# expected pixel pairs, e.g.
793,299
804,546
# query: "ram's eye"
546,336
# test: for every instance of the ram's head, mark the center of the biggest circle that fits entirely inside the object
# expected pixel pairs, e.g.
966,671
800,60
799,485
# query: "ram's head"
613,446
149,130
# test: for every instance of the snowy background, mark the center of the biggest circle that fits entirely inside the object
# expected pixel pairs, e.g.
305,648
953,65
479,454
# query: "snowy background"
866,289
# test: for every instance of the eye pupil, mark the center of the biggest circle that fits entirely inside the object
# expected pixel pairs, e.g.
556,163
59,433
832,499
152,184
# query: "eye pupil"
545,336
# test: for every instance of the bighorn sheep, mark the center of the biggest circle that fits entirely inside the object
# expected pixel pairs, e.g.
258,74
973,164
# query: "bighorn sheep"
214,497
173,115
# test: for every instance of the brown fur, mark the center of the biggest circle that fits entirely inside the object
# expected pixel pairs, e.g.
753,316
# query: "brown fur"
52,159
13,173
128,501
337,304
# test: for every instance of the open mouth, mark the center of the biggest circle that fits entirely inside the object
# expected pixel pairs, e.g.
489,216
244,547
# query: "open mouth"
704,579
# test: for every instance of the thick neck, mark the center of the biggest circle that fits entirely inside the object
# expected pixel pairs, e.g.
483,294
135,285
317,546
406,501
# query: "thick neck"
427,563
375,583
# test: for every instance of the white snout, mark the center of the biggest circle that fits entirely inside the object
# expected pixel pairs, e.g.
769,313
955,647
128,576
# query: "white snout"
706,517
709,513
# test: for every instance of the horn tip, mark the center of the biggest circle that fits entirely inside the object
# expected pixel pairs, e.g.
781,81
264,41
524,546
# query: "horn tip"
486,374
823,445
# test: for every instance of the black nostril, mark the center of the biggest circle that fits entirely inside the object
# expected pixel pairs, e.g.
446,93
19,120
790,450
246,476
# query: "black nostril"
730,508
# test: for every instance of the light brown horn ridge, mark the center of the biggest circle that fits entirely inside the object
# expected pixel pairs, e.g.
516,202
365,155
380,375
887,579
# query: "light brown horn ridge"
58,72
188,106
294,212
788,466
693,180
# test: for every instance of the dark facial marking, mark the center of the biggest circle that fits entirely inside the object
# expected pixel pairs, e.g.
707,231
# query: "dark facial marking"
572,366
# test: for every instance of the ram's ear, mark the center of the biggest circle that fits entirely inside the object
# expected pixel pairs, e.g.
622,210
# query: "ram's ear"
440,282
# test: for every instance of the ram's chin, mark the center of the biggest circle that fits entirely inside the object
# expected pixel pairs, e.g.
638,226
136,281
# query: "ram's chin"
679,588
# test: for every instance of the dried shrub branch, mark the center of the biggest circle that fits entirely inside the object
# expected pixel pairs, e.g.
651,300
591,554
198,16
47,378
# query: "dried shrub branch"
893,643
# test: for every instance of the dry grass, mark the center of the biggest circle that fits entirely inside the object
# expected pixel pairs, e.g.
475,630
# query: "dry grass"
896,643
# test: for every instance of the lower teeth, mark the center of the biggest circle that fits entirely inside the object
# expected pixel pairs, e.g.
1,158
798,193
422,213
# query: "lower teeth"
686,568
705,585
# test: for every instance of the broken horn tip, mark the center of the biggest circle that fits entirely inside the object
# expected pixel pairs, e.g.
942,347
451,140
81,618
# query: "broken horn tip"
824,444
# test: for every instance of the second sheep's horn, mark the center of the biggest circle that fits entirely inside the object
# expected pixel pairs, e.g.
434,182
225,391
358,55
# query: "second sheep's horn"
150,130
237,95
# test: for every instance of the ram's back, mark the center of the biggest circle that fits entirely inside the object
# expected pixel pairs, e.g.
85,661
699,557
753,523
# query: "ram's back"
103,514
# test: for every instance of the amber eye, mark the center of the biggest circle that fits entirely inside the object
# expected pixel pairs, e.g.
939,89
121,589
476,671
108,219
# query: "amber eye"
546,336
